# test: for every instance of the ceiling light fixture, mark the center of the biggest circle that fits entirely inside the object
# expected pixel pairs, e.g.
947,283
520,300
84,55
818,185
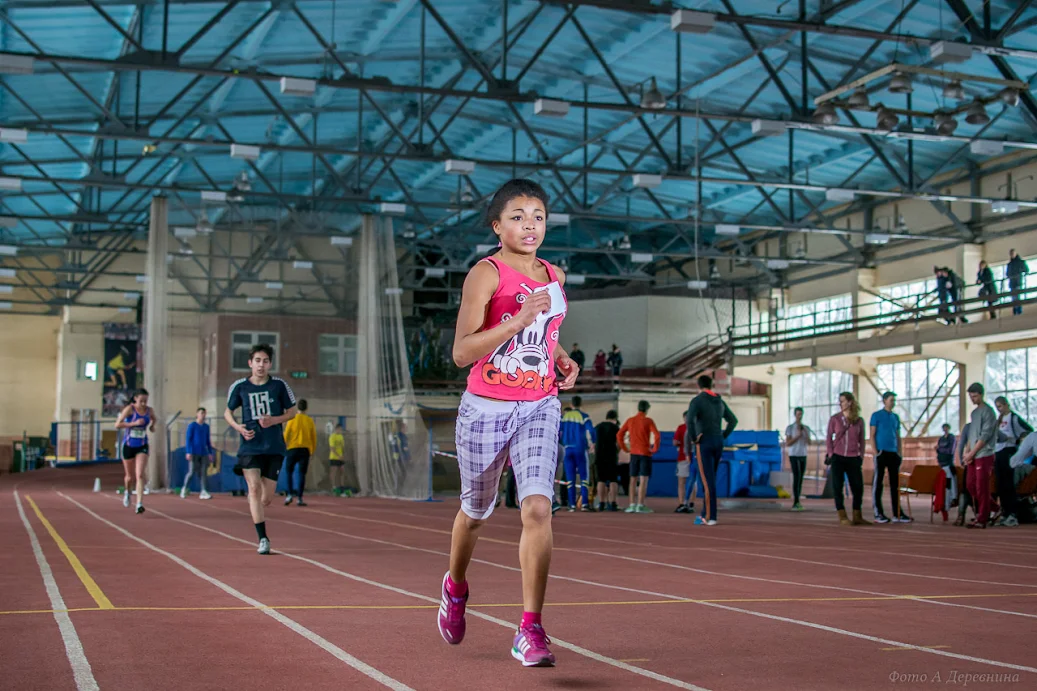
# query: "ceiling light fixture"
885,118
1010,97
977,114
900,84
945,123
954,91
652,98
858,99
825,114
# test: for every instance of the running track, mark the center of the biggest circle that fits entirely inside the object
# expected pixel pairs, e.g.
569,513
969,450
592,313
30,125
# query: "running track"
93,596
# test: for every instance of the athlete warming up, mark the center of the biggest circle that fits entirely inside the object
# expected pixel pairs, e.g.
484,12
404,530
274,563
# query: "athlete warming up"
512,305
266,404
137,419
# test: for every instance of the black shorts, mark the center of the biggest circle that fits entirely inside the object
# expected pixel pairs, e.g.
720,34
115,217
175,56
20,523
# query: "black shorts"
640,466
131,452
268,464
608,468
337,464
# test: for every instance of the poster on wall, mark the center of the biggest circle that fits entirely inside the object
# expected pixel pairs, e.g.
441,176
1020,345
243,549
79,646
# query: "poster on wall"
121,366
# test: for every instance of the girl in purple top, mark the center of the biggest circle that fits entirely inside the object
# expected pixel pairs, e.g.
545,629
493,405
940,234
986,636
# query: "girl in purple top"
845,445
137,419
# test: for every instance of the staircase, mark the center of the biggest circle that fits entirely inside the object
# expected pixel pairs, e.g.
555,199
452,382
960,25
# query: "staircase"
706,354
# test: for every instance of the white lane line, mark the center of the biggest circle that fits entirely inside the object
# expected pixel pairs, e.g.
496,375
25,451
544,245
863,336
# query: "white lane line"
81,670
291,624
668,596
597,657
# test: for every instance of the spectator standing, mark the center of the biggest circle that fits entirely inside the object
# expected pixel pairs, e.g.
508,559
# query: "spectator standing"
687,471
979,458
615,360
1016,273
1011,430
797,440
955,292
600,364
945,458
577,356
987,287
887,446
606,458
644,442
577,435
941,292
705,414
844,443
961,447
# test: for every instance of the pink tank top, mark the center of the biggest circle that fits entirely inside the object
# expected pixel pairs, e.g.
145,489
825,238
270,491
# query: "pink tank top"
522,368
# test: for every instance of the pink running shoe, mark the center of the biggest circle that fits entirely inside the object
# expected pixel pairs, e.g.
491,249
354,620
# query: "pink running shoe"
531,647
451,615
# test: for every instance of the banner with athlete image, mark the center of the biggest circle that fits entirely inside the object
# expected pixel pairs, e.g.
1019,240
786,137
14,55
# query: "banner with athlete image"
122,359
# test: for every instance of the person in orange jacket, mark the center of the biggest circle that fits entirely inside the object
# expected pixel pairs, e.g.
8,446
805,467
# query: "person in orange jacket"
644,442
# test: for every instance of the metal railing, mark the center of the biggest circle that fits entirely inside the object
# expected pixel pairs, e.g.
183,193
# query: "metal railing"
923,313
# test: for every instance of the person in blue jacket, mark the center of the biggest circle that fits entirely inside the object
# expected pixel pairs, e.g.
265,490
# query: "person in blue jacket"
199,453
576,433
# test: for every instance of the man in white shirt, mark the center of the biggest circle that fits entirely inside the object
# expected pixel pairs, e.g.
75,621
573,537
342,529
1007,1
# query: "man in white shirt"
797,438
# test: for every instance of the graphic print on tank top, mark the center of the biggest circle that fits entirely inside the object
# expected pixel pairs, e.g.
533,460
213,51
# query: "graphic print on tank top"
524,360
138,436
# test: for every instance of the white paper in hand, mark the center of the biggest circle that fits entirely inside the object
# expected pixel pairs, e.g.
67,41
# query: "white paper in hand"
554,291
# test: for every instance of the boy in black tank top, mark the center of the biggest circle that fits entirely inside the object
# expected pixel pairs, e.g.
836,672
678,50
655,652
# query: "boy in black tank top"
266,404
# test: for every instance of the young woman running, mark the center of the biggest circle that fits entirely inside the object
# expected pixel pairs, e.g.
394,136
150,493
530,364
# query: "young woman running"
138,419
511,308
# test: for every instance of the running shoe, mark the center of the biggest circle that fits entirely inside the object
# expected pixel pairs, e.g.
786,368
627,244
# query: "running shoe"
681,508
531,649
1011,522
798,507
183,492
451,615
264,546
301,503
288,500
631,509
903,519
613,506
204,495
641,508
126,499
140,508
572,509
879,518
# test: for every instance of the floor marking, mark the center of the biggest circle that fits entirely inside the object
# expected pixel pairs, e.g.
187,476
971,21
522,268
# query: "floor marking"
927,599
515,605
88,582
291,624
934,647
81,671
716,605
500,622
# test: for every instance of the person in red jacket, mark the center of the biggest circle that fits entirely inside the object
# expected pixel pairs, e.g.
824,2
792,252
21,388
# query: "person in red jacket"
644,442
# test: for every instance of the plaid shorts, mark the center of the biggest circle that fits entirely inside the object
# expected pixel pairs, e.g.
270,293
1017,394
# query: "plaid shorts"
490,432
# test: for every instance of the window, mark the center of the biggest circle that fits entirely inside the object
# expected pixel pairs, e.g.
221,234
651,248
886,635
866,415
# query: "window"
928,392
337,354
817,393
814,317
86,370
242,342
1013,374
907,296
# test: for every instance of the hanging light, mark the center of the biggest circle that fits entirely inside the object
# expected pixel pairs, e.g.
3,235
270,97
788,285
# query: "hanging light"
900,84
1009,96
885,118
825,114
242,183
204,226
858,99
652,98
953,90
945,123
977,114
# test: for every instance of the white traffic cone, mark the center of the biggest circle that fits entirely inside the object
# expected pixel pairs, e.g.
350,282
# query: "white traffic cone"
97,484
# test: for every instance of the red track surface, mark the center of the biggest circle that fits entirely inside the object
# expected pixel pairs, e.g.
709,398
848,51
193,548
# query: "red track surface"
764,600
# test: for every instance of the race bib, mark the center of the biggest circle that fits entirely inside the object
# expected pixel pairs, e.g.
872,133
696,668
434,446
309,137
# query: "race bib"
137,433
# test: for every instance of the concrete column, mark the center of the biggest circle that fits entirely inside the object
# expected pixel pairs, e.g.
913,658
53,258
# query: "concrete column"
971,359
156,325
864,303
971,256
779,382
